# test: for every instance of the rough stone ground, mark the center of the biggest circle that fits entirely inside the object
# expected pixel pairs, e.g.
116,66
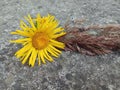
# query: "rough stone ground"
71,71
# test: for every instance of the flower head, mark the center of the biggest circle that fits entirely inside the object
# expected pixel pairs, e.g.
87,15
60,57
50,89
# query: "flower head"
39,39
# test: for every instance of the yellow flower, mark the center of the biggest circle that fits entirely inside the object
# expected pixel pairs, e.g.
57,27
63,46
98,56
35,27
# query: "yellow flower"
39,39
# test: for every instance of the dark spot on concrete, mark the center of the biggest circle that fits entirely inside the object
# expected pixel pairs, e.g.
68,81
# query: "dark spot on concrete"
44,80
69,76
2,58
59,67
77,86
54,68
61,85
80,77
104,87
44,87
39,7
4,51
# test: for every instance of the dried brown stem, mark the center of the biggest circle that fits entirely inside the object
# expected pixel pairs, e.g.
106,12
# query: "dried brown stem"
79,39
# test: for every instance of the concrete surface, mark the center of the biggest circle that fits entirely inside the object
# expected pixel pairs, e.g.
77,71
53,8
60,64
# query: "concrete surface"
71,71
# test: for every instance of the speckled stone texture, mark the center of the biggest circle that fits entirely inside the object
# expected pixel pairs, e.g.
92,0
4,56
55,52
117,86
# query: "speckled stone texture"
71,71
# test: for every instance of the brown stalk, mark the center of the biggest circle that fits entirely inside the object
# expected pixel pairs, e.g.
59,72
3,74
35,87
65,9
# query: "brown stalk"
79,39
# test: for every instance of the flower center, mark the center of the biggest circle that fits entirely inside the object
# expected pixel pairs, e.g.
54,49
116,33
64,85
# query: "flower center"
40,40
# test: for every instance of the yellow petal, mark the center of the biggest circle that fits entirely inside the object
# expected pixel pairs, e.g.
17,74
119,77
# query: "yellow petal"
56,50
57,44
29,19
41,55
33,57
27,56
52,52
21,40
47,56
23,50
59,35
22,33
23,25
58,30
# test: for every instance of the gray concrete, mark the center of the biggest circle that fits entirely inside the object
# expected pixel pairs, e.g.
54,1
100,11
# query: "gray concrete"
71,71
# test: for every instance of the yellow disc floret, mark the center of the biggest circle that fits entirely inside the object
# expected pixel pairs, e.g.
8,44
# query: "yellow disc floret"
40,40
